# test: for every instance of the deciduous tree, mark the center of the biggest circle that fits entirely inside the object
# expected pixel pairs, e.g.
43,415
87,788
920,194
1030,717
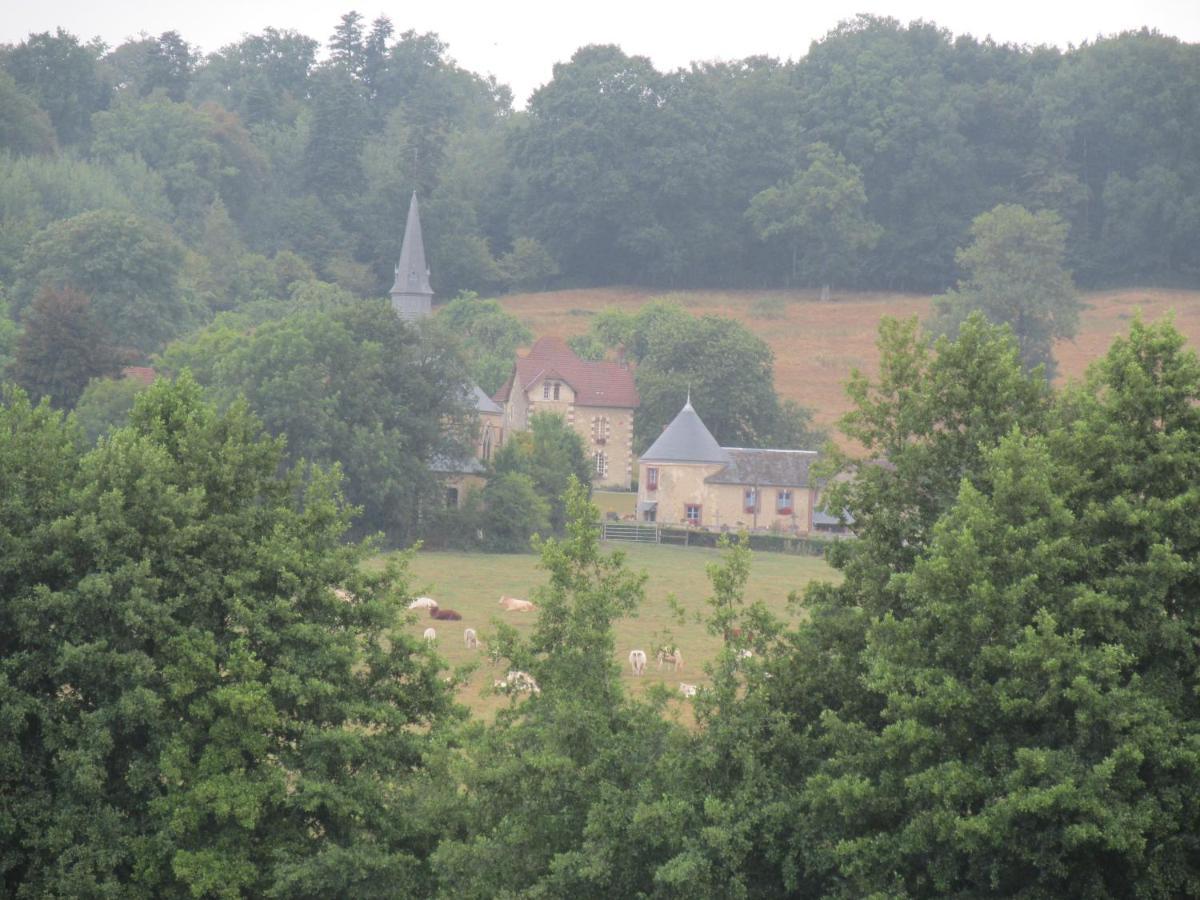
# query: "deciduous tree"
190,708
63,345
1015,274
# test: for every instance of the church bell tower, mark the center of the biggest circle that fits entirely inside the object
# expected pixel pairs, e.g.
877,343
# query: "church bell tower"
411,294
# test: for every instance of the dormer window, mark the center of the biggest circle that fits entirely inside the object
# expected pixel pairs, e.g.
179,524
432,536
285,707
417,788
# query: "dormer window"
545,390
550,390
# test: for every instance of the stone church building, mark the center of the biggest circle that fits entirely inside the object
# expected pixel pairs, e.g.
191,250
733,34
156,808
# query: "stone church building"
597,399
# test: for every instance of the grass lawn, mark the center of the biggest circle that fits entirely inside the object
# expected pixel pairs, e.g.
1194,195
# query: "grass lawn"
472,583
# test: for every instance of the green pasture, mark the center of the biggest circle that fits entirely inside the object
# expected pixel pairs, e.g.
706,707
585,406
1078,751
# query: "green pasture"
472,584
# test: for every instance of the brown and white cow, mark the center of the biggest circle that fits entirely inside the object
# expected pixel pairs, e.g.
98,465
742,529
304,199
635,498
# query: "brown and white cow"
671,656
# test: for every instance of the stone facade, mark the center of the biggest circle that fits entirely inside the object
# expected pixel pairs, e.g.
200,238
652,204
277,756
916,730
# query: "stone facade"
597,399
686,478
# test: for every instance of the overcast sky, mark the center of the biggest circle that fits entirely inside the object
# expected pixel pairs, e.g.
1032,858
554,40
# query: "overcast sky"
519,41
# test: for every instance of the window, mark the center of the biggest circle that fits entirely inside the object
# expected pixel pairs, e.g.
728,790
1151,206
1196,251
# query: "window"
691,512
783,503
545,390
556,390
601,429
652,478
649,515
487,443
601,461
751,500
452,497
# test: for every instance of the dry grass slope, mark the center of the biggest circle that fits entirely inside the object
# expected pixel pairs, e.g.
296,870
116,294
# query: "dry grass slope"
817,344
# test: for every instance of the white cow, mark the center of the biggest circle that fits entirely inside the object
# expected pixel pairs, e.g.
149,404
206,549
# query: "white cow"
431,635
512,604
423,603
637,659
522,682
472,640
670,655
745,653
688,690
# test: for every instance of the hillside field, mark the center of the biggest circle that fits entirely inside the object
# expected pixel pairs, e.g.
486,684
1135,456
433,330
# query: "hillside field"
818,344
472,584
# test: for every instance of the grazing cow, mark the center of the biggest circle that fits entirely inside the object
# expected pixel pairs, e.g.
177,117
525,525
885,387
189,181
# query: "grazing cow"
670,655
521,682
344,595
423,603
512,604
637,659
471,639
430,635
688,690
444,614
745,653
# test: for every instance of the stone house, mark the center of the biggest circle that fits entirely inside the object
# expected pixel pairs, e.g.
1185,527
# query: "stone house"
687,478
597,399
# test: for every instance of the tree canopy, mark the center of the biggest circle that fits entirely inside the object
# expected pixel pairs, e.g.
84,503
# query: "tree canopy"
351,385
1015,274
190,707
727,369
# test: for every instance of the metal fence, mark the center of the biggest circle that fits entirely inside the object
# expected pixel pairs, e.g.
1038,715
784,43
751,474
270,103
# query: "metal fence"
631,531
650,533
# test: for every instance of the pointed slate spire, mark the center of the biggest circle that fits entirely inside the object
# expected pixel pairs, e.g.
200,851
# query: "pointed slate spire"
686,439
411,293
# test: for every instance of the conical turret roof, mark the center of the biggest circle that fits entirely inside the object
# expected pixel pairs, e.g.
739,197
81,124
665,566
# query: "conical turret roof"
412,272
686,439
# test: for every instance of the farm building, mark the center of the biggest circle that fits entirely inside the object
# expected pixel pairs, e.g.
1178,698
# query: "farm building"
686,477
596,398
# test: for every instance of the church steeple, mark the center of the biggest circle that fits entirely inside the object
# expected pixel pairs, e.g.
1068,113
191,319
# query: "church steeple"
412,294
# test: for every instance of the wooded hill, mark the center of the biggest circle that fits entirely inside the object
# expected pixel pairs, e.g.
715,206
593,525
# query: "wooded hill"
861,163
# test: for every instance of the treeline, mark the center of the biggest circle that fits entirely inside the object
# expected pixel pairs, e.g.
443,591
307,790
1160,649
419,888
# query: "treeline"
860,163
205,693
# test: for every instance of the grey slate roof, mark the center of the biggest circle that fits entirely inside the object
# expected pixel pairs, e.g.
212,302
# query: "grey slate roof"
770,468
444,464
483,403
686,439
412,272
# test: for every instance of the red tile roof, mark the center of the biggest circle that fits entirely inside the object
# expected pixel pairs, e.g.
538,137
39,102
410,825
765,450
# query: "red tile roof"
599,383
144,374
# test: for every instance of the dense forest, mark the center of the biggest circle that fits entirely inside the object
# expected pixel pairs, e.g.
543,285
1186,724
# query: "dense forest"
860,163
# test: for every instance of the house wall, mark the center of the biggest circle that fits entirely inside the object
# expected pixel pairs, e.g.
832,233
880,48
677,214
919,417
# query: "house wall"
524,401
731,500
494,421
516,408
617,445
678,485
723,505
464,484
538,403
